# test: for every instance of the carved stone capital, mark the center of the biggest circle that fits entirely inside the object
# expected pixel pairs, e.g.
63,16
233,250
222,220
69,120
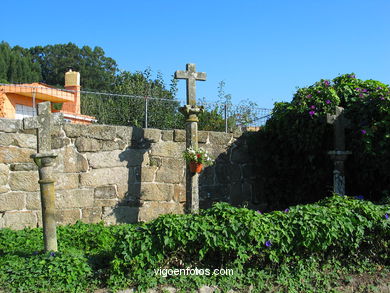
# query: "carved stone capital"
191,112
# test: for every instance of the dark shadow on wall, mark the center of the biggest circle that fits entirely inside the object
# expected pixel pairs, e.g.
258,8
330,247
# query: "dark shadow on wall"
237,178
232,178
128,208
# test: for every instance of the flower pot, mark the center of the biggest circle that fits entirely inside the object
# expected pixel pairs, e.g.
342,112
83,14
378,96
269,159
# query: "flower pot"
196,167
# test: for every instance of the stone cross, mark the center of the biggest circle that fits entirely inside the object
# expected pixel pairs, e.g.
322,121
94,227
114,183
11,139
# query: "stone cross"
191,77
45,159
191,111
339,154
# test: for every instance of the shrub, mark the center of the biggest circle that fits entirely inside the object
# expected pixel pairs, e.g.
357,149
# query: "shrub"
291,150
46,272
246,240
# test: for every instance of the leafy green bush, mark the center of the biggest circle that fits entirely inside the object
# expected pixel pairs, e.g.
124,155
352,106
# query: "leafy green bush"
246,240
271,250
291,150
47,272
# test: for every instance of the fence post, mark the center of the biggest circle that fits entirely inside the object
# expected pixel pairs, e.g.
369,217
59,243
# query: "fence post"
146,112
226,122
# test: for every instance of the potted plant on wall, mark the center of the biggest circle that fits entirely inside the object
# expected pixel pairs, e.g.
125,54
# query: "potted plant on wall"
196,159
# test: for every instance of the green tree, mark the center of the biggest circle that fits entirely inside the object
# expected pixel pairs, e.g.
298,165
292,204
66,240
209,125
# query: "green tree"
97,71
16,65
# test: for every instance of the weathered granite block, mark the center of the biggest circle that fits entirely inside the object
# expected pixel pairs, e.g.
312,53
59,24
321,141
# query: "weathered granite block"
152,135
120,215
110,145
66,180
33,200
4,172
103,132
203,136
167,149
168,175
73,161
107,176
145,174
134,157
216,151
19,140
24,181
156,191
18,220
105,192
12,201
65,217
173,163
59,142
179,193
84,144
107,159
74,198
10,125
91,215
10,154
167,135
220,138
179,135
4,189
23,167
125,133
152,209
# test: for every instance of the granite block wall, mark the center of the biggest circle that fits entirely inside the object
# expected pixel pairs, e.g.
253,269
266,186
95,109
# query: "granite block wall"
116,174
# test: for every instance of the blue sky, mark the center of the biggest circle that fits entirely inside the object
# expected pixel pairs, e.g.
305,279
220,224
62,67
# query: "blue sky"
263,50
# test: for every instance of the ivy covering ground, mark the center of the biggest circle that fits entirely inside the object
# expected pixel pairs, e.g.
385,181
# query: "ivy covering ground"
306,248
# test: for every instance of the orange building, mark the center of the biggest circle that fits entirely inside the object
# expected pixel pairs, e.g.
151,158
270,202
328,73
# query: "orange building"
20,100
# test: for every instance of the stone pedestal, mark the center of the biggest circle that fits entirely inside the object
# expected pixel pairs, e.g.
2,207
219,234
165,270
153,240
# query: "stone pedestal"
45,162
338,158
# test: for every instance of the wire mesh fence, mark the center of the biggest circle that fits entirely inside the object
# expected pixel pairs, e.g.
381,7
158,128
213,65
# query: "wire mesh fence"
147,112
150,112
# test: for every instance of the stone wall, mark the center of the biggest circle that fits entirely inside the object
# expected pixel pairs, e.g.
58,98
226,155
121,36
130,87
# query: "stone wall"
115,174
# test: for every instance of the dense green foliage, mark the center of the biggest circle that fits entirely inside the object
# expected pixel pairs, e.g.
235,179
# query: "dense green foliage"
97,71
270,251
16,65
291,150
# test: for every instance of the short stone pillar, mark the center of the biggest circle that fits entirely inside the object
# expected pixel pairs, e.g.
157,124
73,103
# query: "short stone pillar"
338,158
44,160
46,182
339,155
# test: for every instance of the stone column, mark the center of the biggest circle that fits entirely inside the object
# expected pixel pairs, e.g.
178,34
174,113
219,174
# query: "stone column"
192,179
46,182
338,158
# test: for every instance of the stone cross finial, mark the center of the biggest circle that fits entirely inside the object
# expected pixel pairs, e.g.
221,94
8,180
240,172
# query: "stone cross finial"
43,123
191,77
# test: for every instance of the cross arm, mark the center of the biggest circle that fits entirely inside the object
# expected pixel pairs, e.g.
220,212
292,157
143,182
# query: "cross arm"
180,74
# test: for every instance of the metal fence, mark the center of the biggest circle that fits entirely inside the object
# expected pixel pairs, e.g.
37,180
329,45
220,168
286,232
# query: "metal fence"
151,112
